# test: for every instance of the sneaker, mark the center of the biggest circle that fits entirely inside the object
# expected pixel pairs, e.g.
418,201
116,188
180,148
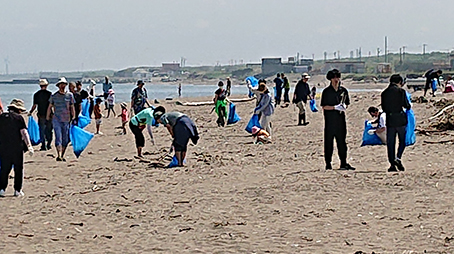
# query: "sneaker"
328,167
43,148
392,169
49,147
59,159
2,193
18,193
347,167
399,165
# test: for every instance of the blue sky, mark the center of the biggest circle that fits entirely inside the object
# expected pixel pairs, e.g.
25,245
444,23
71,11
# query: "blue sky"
77,35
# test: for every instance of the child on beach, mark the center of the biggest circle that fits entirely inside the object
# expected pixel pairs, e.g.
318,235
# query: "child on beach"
261,136
111,102
98,115
124,116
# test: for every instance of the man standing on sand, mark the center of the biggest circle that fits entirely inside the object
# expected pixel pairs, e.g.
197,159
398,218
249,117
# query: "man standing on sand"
286,86
61,103
139,97
106,86
278,83
393,101
334,102
300,97
41,101
228,87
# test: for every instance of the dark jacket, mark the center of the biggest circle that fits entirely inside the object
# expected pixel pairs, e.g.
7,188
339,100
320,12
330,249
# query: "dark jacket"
393,101
301,91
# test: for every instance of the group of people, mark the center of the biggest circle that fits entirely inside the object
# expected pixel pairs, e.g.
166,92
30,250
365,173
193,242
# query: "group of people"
281,83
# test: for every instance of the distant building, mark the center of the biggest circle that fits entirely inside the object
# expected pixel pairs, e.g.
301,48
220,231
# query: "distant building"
142,74
345,66
275,65
383,68
170,67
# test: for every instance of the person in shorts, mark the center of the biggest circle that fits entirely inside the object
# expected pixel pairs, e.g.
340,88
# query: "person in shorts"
98,115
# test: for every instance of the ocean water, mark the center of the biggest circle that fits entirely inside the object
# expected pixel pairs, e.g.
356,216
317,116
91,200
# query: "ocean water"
122,91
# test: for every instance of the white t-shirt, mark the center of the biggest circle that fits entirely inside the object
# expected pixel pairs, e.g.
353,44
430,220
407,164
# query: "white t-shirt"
382,120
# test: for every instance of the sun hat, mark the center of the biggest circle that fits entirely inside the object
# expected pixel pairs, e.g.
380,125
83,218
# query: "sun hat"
98,99
255,129
62,80
123,105
305,75
111,91
17,104
43,82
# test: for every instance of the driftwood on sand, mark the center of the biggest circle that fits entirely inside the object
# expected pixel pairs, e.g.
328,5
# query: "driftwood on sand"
442,111
204,103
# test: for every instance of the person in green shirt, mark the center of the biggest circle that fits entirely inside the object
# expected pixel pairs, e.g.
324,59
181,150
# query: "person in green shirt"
138,123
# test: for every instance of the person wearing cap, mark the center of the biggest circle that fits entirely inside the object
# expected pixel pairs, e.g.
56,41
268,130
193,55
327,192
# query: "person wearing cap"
334,101
265,107
139,97
138,123
14,140
111,103
41,102
220,104
261,136
393,101
181,128
300,96
106,86
61,105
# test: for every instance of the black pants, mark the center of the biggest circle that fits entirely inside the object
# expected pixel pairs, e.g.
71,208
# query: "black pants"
45,131
286,96
340,134
278,95
7,162
138,135
391,142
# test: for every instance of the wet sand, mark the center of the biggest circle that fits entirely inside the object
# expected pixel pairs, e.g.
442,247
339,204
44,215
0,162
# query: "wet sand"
237,197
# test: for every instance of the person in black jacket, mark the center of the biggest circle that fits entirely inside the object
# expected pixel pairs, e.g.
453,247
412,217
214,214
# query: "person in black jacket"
393,100
334,101
430,76
300,96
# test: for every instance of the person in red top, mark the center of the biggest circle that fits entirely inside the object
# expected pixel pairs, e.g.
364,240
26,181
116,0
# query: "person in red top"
98,115
124,116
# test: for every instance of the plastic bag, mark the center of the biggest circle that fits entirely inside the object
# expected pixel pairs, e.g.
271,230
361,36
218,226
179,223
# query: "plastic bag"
254,83
253,122
174,162
434,85
85,105
410,136
233,116
370,140
313,106
83,121
33,131
80,139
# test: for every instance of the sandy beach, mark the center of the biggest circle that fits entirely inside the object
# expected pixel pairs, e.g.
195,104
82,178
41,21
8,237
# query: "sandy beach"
237,197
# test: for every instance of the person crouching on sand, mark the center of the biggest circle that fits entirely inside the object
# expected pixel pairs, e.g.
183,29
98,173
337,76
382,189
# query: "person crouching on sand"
124,116
181,128
138,123
261,136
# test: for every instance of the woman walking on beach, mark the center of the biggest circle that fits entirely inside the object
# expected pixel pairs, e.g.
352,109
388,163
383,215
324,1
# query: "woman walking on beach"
14,140
138,123
181,128
220,104
265,107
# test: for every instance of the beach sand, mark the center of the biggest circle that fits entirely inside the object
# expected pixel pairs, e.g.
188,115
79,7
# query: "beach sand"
234,196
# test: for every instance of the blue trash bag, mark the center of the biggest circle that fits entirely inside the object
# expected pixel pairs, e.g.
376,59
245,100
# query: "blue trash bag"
85,105
174,162
80,139
434,85
253,122
313,106
370,140
233,116
33,131
254,83
83,121
410,136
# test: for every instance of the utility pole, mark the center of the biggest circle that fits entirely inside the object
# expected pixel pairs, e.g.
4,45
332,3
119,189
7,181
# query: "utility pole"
403,53
424,49
335,54
386,49
6,65
378,54
400,56
351,53
338,54
359,53
325,55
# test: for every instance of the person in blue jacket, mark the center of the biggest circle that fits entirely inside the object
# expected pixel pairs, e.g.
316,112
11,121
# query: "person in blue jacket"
265,107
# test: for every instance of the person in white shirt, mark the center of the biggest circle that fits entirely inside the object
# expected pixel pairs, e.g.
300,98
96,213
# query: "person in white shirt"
380,121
